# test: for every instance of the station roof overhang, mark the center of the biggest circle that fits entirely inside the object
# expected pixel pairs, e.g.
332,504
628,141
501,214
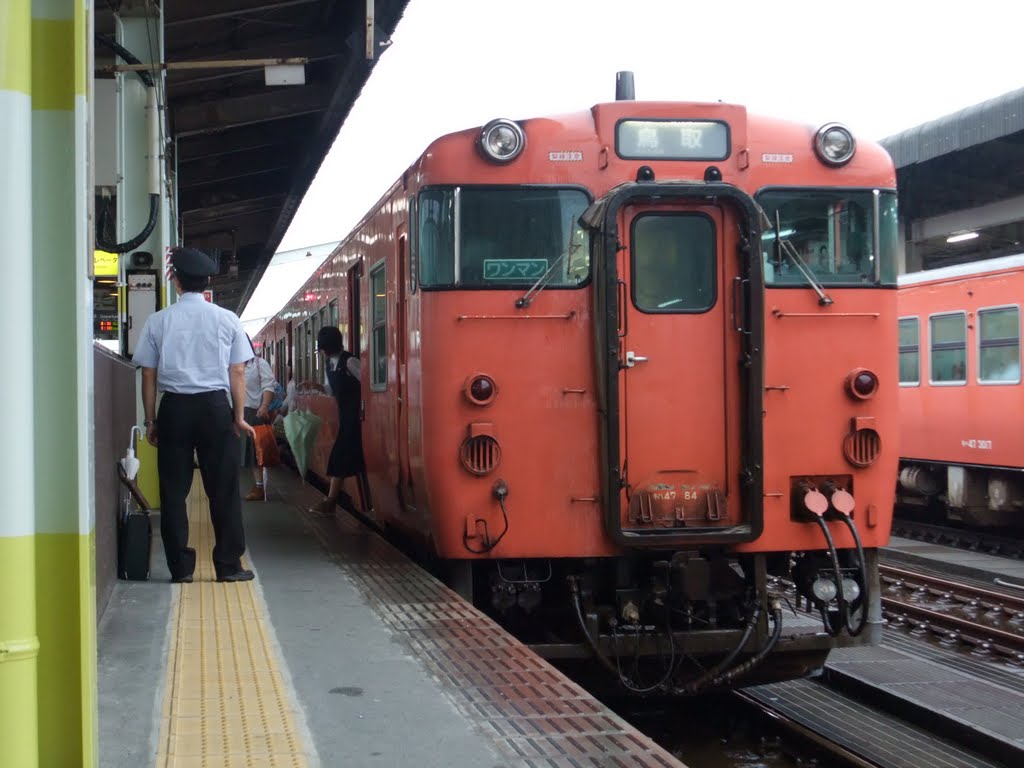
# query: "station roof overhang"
971,160
245,153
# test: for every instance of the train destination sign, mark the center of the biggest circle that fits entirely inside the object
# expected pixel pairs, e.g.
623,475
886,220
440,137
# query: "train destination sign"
514,269
672,140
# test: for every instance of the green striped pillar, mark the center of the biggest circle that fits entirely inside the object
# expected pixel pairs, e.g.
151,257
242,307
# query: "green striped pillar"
18,638
62,364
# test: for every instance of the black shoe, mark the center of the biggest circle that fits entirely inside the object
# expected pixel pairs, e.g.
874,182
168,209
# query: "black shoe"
237,576
186,579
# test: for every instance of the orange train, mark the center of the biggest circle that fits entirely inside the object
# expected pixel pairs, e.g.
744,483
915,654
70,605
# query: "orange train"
621,369
960,392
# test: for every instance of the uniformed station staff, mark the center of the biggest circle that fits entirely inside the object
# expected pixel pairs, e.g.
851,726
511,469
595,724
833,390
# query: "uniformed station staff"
194,352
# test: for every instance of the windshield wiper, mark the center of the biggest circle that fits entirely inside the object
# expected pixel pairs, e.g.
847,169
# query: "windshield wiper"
783,245
527,298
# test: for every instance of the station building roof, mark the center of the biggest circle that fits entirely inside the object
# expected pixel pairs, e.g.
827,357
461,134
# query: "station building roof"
246,153
964,171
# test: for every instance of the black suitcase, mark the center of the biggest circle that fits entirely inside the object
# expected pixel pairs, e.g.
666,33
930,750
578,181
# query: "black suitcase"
134,533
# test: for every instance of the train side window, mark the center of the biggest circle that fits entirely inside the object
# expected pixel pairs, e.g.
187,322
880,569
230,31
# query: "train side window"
910,351
948,333
378,325
332,313
999,345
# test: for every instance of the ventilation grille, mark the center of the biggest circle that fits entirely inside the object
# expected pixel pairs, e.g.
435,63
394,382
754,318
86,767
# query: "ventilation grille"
481,454
862,447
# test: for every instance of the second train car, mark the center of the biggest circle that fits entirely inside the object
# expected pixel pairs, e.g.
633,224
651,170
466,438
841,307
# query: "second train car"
626,373
960,393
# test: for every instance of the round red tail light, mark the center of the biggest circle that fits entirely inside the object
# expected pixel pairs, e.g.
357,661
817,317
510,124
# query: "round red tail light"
861,384
480,389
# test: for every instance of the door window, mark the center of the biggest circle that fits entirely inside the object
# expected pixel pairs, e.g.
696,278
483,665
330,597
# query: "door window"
673,262
378,342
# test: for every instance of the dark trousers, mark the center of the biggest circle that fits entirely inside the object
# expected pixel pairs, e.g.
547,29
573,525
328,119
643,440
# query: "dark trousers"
203,423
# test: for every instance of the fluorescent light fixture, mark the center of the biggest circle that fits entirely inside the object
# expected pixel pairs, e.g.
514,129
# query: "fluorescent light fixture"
770,234
959,238
284,74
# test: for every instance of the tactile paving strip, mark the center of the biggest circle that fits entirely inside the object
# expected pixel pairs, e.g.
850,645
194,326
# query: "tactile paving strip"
226,704
535,715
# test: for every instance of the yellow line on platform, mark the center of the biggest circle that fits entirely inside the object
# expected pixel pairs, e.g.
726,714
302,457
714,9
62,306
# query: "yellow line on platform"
226,702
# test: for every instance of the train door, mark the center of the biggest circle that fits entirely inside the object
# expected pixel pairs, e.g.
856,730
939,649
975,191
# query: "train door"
355,331
403,480
678,379
290,354
358,344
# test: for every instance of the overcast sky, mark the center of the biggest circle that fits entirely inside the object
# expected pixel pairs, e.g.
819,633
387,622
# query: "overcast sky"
880,66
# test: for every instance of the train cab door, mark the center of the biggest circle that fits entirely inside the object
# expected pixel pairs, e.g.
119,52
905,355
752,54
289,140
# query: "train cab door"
678,375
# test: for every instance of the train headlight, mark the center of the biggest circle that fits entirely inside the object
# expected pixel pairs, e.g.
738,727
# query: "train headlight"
834,144
861,383
502,141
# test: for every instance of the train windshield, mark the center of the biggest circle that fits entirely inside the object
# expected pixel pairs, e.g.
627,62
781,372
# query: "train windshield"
844,237
511,237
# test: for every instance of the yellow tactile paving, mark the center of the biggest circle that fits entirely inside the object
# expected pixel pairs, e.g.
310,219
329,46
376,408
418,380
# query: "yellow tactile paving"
226,703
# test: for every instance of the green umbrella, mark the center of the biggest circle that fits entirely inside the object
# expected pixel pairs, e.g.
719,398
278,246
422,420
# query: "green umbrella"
300,429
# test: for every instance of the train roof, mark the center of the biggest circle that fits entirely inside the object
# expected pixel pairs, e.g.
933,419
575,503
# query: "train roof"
958,271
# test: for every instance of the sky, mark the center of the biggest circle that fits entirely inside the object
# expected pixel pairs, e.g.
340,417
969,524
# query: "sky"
879,66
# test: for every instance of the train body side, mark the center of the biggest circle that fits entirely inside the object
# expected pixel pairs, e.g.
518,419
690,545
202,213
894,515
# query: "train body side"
961,445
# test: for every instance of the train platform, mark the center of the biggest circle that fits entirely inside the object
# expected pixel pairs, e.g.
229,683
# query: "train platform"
961,562
342,652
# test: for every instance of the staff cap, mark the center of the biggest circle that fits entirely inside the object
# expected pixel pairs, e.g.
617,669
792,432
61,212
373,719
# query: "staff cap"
192,262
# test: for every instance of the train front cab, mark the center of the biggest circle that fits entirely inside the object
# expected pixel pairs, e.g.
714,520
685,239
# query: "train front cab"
683,443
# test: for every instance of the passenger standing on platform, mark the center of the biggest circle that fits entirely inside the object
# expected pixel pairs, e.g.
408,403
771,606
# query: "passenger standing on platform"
259,393
342,371
194,352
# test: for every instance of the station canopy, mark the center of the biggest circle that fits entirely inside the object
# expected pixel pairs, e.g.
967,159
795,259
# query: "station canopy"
970,162
245,151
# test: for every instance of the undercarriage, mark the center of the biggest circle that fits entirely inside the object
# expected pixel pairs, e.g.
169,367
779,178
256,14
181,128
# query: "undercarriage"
684,622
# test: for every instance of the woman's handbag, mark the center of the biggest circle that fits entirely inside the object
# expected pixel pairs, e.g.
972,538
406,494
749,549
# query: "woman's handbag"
266,446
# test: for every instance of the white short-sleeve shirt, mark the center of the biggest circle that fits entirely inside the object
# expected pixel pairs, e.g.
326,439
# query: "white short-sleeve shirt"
191,344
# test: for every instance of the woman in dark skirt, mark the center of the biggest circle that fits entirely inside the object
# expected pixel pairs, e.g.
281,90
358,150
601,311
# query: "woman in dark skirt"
342,371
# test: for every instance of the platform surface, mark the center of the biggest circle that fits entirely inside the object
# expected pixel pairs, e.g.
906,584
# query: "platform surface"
341,653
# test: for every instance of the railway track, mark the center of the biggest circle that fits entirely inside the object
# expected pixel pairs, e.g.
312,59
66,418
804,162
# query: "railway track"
988,620
959,538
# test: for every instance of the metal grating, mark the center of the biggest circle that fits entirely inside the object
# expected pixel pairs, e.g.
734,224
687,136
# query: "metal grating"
862,447
874,735
481,454
536,716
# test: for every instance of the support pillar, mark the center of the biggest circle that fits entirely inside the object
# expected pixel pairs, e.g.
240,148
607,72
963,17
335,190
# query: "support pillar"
61,365
19,643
